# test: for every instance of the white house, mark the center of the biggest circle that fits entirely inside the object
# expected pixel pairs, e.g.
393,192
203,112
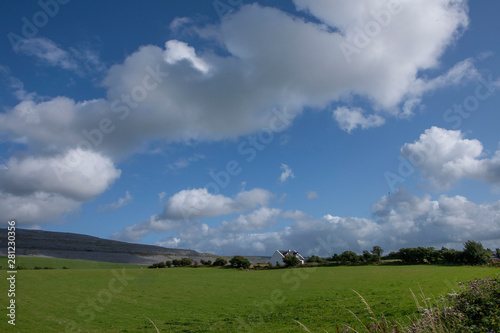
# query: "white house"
278,257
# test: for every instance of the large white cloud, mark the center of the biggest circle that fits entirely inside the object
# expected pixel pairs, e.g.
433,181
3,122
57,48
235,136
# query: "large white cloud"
39,189
258,220
183,210
264,60
197,203
39,207
443,157
271,59
77,174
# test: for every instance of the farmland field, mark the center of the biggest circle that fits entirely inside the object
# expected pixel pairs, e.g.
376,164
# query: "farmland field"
213,300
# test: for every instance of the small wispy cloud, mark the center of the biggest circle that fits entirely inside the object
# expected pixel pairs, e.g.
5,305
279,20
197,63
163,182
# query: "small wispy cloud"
121,202
312,195
351,118
15,85
184,162
161,196
79,61
287,173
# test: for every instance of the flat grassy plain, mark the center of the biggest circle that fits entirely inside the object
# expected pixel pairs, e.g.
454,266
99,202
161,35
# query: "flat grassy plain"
220,300
56,263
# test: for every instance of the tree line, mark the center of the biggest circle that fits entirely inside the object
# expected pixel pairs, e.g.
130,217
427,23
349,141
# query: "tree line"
473,254
234,262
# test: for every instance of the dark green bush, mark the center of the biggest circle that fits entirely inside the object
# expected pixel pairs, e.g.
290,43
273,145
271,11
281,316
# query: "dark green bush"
220,262
479,304
291,261
239,262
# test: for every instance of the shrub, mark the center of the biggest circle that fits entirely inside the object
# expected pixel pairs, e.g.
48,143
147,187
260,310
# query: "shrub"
239,262
349,257
21,267
38,267
220,262
291,261
206,263
186,262
479,304
168,263
158,265
65,267
48,268
314,258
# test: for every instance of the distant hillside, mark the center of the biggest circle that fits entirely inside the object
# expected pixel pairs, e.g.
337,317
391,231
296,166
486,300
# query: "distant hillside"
77,246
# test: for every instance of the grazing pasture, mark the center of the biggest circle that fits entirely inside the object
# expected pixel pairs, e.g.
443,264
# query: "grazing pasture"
117,299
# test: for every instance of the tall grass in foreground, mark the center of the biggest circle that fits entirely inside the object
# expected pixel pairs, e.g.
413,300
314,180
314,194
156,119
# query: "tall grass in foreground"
475,308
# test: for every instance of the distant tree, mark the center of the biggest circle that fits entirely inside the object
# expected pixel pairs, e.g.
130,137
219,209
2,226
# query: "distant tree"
434,256
314,258
417,255
391,255
497,250
176,262
291,261
168,263
349,257
475,254
209,263
239,262
220,262
186,262
451,256
377,252
158,265
336,257
367,257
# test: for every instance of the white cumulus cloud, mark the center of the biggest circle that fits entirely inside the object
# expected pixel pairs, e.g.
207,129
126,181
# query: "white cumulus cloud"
443,157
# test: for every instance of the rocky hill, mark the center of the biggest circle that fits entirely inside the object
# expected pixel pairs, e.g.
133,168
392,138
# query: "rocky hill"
77,246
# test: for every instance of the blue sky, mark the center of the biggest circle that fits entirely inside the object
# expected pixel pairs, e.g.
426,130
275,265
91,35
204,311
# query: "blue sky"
238,127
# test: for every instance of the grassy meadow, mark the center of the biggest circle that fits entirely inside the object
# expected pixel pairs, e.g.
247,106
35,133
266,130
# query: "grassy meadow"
118,299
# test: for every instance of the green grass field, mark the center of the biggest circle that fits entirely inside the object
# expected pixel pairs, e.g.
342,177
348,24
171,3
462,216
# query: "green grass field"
31,262
219,300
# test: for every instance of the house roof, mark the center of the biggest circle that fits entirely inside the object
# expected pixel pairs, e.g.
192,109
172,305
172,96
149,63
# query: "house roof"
291,252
